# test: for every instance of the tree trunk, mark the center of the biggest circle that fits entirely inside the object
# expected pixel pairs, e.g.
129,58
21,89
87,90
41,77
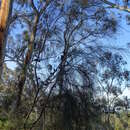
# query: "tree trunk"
42,121
22,76
5,11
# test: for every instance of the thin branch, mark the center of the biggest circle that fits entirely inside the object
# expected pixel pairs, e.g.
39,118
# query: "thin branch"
113,5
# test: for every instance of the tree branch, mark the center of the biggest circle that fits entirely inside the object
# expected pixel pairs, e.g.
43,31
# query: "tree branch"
113,5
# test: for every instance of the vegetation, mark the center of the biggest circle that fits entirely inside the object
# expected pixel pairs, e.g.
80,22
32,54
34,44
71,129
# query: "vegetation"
63,77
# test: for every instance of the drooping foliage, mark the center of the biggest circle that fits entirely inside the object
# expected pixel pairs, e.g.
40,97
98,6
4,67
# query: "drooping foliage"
60,67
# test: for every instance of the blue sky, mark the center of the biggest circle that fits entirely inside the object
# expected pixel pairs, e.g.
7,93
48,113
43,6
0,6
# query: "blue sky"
120,39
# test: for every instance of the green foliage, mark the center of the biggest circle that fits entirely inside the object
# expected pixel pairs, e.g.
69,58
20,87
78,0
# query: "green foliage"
61,69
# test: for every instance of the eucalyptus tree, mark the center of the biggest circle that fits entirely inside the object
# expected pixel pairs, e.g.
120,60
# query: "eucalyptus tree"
55,52
113,79
72,51
5,13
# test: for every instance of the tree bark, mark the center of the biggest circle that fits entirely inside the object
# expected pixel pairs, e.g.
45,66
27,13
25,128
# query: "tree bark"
5,12
22,76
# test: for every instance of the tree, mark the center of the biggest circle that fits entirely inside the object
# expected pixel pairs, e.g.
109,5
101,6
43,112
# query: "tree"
45,31
5,12
113,78
56,55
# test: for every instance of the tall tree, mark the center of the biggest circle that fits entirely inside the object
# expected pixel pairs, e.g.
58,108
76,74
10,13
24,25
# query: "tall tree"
28,55
56,55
